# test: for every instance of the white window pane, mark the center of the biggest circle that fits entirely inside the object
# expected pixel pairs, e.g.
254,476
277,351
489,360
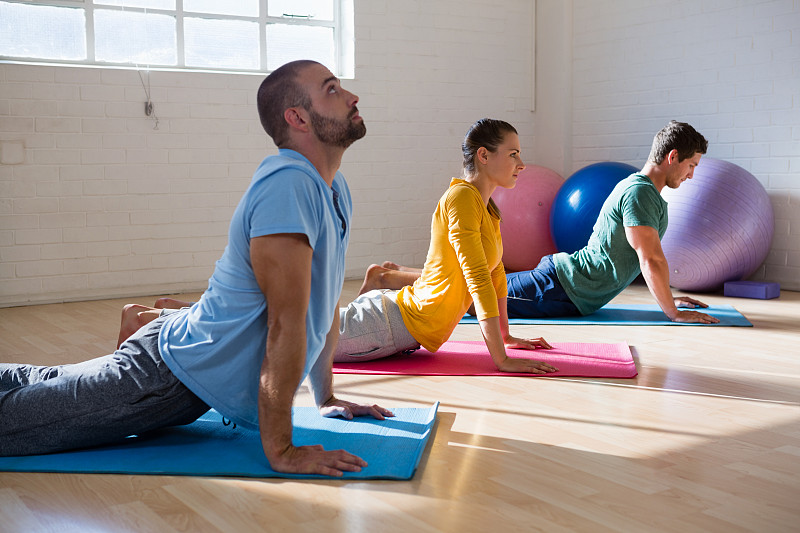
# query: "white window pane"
221,43
42,32
129,37
316,9
289,42
241,8
149,4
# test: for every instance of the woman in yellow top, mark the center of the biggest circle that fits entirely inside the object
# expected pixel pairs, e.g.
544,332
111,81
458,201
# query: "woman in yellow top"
463,267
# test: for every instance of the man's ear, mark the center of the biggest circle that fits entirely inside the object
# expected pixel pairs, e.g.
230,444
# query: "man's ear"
296,118
672,156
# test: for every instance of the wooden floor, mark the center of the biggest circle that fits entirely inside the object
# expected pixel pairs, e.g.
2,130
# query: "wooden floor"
706,438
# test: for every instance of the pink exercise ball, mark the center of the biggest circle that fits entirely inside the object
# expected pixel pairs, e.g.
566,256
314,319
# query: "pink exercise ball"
525,212
720,227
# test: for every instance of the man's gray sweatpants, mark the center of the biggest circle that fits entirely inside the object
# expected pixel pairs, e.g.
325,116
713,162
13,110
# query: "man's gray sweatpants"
49,409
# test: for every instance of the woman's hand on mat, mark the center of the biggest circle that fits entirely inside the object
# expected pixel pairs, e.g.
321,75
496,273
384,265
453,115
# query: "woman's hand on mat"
526,344
336,407
685,301
528,366
315,460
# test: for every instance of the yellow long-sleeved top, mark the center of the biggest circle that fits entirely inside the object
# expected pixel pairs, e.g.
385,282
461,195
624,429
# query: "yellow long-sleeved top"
463,266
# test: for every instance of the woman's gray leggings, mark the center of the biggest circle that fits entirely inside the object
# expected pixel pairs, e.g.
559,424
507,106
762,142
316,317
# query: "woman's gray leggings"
372,327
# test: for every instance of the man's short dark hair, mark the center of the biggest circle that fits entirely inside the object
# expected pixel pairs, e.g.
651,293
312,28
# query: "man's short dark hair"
278,92
678,136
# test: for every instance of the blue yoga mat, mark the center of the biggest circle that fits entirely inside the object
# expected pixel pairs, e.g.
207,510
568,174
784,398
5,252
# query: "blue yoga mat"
634,315
392,448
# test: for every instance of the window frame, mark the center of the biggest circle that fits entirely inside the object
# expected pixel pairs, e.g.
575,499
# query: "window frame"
342,34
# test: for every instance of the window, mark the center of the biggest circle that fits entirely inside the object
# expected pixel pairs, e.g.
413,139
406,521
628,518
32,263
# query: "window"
230,35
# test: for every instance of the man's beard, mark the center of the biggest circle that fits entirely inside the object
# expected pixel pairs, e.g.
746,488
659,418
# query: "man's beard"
335,132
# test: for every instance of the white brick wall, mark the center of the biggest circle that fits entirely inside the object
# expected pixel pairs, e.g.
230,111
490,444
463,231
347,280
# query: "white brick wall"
732,69
98,203
95,202
425,71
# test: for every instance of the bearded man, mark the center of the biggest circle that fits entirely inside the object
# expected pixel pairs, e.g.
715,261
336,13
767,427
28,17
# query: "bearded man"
268,319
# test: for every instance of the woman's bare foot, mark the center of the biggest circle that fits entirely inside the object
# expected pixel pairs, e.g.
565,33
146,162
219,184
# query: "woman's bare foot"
372,278
386,277
394,266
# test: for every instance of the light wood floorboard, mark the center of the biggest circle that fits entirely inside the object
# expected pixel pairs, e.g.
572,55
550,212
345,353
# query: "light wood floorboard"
706,438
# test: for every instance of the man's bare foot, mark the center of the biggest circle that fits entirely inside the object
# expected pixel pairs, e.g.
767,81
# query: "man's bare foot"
171,303
134,316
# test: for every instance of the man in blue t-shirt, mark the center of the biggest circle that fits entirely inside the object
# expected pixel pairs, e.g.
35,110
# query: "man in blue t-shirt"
626,241
268,320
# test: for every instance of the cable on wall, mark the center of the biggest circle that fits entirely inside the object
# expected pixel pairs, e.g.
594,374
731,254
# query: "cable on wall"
149,108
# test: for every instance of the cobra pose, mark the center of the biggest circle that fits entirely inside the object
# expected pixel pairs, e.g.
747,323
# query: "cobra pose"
463,266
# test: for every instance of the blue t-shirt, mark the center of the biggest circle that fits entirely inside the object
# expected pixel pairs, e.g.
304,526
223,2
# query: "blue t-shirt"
217,346
599,271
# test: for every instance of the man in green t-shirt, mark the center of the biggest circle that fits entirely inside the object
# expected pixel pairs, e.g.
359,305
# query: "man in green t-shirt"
625,241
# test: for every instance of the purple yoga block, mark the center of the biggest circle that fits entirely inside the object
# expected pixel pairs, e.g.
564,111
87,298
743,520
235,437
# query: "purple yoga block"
752,289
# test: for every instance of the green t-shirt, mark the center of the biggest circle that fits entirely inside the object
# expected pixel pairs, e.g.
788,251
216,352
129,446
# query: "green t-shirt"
599,271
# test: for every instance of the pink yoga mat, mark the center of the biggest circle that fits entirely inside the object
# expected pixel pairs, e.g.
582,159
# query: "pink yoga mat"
471,358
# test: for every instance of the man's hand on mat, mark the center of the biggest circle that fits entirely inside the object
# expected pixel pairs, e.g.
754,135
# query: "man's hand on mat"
526,344
315,460
691,303
529,366
694,317
336,407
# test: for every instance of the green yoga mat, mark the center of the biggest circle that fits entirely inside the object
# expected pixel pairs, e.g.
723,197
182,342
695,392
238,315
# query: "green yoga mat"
634,315
392,448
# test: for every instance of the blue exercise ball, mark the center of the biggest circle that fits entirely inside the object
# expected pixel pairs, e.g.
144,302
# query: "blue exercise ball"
579,200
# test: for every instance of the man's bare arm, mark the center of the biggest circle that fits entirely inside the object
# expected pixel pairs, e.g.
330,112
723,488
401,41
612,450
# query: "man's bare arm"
655,270
282,266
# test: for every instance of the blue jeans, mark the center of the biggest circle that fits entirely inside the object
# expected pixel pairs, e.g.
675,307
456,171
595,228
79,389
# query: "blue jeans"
537,293
49,409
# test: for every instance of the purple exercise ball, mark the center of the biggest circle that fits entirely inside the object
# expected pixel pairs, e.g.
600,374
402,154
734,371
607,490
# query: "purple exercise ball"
720,227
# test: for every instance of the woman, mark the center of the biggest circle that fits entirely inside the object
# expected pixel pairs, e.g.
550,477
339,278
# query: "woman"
463,266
